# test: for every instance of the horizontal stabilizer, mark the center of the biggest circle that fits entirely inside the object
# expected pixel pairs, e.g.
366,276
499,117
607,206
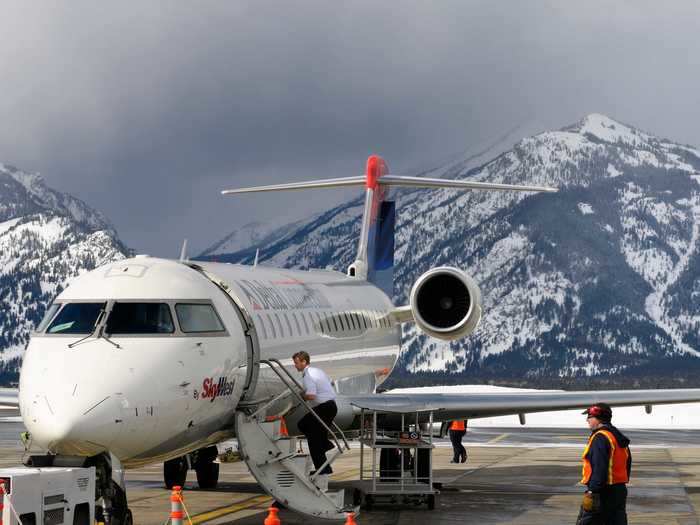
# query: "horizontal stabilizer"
422,182
390,180
341,182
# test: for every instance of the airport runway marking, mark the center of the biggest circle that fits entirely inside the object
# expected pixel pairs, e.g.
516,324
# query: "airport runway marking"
499,438
252,502
223,511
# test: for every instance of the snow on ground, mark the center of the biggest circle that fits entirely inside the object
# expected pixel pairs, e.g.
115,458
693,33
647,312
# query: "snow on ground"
685,415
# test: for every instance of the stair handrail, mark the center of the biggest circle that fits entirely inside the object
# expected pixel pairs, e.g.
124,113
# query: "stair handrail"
290,376
271,363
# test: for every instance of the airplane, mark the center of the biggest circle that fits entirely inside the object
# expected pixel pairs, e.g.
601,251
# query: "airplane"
149,360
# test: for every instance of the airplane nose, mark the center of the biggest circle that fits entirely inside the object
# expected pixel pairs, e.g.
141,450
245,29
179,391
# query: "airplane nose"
72,428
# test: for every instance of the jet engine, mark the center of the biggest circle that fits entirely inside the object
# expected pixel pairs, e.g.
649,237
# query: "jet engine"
446,303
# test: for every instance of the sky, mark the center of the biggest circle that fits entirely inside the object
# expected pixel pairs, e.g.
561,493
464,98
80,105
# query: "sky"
146,110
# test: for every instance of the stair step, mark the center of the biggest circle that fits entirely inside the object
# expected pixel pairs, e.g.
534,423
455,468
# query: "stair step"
284,474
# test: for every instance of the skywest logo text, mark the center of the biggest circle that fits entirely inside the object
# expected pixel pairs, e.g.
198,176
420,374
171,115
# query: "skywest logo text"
211,390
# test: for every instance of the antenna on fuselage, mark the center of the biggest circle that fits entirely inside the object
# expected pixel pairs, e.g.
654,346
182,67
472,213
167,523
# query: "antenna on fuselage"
183,251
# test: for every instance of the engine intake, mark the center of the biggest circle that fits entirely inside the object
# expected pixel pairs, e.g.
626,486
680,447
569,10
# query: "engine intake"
446,303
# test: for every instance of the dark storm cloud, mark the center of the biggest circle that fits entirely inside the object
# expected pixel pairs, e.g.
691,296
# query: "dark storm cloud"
147,110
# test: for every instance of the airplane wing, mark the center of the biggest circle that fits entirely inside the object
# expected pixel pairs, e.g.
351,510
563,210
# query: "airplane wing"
477,405
9,398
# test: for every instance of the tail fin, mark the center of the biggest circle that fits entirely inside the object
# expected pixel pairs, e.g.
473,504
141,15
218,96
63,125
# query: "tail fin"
375,253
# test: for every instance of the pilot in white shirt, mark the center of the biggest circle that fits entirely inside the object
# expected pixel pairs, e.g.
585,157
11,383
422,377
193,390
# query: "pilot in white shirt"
321,396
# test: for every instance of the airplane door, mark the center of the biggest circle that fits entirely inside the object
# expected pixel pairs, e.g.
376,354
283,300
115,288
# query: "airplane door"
252,367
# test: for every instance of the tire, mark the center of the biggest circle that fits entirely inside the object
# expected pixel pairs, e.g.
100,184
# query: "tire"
431,501
28,519
369,502
175,473
128,517
81,515
207,475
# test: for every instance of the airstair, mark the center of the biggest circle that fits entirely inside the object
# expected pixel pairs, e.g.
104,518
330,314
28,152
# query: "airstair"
276,464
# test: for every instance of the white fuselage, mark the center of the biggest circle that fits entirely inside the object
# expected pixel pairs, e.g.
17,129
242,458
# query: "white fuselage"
148,397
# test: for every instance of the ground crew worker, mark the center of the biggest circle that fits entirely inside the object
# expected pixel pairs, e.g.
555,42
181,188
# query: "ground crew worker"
607,463
457,430
321,396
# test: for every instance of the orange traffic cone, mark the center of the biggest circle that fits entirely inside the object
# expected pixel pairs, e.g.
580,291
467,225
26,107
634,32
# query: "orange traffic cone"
176,514
350,519
272,518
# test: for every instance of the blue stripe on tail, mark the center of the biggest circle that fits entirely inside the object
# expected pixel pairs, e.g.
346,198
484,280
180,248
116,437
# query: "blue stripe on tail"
380,248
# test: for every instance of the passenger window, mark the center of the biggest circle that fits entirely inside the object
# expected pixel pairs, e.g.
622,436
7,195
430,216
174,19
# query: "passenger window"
140,318
50,312
272,327
280,329
195,318
76,318
289,325
303,320
296,323
261,324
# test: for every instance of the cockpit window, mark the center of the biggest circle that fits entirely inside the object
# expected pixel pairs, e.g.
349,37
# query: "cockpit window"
198,318
140,318
50,312
76,318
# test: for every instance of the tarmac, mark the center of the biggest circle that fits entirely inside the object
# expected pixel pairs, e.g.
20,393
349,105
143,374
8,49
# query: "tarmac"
513,476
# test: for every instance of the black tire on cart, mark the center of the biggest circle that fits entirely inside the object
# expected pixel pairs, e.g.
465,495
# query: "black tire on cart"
431,501
369,501
81,514
356,497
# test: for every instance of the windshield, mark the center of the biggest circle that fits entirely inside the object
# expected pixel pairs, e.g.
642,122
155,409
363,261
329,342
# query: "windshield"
198,318
76,318
140,318
50,312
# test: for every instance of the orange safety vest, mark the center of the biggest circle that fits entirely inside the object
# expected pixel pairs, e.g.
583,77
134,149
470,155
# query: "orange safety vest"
458,425
617,466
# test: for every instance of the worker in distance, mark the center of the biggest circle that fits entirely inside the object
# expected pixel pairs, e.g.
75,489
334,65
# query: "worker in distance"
320,394
457,429
607,463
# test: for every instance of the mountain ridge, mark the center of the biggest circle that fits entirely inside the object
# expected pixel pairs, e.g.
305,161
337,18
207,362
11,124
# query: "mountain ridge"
580,285
46,238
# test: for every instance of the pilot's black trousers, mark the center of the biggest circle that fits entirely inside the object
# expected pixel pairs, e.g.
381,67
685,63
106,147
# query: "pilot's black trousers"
316,435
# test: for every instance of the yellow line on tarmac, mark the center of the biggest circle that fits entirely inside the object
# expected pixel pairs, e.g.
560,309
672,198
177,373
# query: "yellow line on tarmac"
223,511
499,438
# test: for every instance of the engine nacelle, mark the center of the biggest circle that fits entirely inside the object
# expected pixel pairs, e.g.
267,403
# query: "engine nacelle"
446,303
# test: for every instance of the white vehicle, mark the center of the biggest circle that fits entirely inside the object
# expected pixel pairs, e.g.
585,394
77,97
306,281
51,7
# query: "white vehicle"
49,496
146,360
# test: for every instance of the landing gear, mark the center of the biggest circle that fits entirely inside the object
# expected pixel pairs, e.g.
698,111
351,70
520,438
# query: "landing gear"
202,461
207,470
112,508
175,472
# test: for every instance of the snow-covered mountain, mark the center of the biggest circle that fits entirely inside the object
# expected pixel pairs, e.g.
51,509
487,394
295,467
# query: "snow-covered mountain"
46,238
597,283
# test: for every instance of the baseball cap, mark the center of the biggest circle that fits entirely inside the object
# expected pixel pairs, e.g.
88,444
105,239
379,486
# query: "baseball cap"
599,410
